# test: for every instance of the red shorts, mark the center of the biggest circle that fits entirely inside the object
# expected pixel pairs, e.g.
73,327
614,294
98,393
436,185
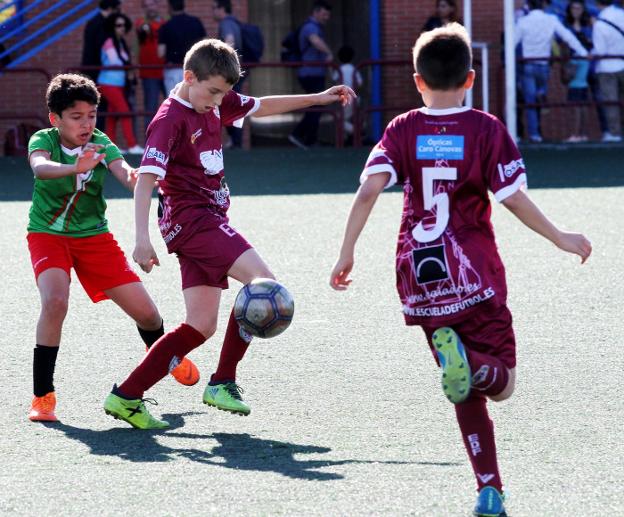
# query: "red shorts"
489,332
98,260
207,256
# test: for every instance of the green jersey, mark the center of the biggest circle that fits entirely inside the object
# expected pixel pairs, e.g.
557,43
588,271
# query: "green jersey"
73,205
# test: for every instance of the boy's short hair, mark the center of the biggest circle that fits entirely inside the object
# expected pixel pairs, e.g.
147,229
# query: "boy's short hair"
443,57
110,4
224,4
65,90
535,4
210,57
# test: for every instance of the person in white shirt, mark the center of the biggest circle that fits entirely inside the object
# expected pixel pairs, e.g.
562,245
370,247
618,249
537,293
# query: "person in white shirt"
352,78
608,39
535,32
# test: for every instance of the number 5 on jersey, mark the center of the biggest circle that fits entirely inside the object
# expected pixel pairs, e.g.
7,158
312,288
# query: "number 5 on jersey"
438,201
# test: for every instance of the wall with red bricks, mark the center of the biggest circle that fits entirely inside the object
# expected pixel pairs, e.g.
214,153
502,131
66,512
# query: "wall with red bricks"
401,23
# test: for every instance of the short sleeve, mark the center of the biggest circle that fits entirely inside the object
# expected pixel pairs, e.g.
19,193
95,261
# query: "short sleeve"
40,141
236,107
162,136
505,171
385,157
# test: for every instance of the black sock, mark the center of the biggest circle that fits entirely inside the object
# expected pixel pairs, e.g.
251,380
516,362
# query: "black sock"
43,369
150,337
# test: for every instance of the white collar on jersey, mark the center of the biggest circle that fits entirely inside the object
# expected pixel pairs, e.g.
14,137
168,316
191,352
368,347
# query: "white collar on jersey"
71,152
180,100
447,111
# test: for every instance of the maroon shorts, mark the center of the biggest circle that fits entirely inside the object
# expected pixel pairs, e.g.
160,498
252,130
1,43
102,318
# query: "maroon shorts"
207,256
98,260
489,332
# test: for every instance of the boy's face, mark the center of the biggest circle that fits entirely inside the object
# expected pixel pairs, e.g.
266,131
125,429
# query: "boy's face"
207,94
75,124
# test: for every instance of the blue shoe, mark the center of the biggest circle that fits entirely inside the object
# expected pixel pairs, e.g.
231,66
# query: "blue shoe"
456,375
490,503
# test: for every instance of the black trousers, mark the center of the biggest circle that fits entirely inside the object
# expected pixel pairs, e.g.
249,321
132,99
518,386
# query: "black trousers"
307,129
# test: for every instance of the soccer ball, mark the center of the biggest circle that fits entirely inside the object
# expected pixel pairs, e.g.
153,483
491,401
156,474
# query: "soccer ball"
264,308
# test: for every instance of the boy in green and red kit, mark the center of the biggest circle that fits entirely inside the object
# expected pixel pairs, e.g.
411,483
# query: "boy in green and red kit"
67,229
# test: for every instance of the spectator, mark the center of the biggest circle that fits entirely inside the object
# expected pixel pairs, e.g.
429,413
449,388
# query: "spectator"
446,12
112,83
92,40
147,27
608,38
230,33
535,32
351,78
175,38
94,36
579,22
312,78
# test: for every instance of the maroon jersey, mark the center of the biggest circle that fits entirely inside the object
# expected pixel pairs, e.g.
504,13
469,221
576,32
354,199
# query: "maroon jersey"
183,149
447,261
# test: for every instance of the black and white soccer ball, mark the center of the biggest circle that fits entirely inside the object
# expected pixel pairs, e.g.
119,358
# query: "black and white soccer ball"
264,308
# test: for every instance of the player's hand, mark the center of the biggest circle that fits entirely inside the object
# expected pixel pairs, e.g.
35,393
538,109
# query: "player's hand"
133,176
145,256
340,93
575,243
89,157
339,279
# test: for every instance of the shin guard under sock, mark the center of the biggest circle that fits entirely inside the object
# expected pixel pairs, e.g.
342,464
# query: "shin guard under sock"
235,345
478,434
44,362
162,357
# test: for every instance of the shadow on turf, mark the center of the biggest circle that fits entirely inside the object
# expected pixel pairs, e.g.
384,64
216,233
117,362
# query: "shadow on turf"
279,171
239,451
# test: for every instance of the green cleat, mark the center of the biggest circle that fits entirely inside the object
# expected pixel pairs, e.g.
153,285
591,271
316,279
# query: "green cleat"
227,397
455,368
133,411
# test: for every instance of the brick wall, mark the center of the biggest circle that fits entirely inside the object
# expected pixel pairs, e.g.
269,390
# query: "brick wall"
401,22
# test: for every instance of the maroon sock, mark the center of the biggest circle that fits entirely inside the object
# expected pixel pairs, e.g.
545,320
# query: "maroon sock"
478,433
235,345
489,374
162,357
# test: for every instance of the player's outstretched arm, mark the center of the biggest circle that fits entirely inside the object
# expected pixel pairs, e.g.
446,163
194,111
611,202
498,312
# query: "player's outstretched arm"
363,203
276,104
125,174
45,169
524,209
144,254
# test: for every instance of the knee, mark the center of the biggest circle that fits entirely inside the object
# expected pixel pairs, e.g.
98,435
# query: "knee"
207,328
55,306
149,318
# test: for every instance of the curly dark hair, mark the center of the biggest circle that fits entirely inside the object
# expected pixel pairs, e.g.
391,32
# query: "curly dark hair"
65,89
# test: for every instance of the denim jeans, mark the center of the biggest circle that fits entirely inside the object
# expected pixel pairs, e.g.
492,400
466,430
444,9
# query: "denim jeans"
152,88
534,86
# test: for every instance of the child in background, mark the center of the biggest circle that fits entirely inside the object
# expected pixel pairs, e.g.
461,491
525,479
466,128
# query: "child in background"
352,78
68,229
450,278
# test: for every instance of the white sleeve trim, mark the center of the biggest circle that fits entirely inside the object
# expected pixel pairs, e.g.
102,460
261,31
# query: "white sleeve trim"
152,169
239,121
505,192
377,169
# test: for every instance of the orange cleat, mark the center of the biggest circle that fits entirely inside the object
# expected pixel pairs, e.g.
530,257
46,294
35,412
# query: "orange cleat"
186,372
42,408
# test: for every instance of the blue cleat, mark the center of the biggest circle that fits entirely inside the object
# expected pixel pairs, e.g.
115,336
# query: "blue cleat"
456,377
490,503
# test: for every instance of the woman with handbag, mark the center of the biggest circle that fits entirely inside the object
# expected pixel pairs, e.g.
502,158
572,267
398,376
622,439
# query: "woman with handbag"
114,83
